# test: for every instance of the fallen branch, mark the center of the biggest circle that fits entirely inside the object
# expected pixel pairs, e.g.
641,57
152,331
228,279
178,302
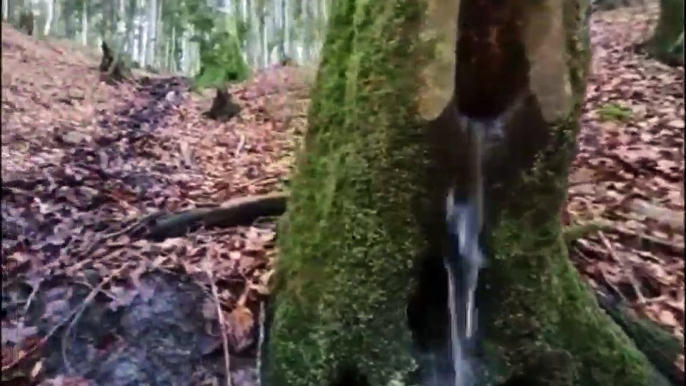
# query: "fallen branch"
240,211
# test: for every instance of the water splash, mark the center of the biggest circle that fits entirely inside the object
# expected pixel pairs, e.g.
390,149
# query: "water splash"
462,264
464,220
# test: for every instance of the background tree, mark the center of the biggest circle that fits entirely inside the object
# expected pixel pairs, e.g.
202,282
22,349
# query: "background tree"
667,42
360,289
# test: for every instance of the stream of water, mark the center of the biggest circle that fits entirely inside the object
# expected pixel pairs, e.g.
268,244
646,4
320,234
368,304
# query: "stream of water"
464,260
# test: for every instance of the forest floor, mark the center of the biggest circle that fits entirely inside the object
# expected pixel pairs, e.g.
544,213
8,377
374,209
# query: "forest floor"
88,300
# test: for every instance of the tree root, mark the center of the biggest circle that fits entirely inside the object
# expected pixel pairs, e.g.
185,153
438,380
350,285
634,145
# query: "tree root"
658,345
575,232
240,211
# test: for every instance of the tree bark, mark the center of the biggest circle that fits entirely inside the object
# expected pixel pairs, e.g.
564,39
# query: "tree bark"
667,42
360,291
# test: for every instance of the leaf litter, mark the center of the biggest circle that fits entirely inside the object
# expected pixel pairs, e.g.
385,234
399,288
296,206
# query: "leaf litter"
84,162
628,173
86,166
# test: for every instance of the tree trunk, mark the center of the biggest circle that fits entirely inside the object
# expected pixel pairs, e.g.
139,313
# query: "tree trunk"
667,43
68,14
84,23
50,10
360,296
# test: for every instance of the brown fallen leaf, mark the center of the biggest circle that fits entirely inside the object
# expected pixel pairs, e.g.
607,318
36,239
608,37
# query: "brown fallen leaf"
37,368
667,318
240,328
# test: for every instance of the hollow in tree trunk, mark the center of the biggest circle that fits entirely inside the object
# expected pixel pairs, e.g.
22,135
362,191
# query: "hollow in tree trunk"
360,292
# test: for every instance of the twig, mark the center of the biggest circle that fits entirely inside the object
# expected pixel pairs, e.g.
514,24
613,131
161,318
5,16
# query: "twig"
674,247
260,337
222,323
53,330
147,219
627,271
24,354
34,292
136,225
241,143
78,312
613,227
572,184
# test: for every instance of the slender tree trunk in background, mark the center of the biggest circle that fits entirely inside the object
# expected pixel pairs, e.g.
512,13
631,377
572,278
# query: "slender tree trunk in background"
56,26
7,10
160,49
109,25
667,43
283,38
174,49
131,9
360,292
84,23
50,10
121,14
142,40
68,14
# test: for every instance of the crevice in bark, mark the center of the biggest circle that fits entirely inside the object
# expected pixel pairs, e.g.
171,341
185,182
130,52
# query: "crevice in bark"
350,376
491,65
427,318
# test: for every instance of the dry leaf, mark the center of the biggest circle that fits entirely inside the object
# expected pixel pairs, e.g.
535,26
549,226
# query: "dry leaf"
240,328
36,369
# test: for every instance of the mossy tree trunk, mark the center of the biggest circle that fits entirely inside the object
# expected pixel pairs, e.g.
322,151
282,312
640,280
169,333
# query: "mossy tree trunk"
360,292
667,42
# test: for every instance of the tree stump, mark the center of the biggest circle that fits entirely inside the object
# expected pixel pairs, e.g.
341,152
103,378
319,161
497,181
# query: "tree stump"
223,108
111,64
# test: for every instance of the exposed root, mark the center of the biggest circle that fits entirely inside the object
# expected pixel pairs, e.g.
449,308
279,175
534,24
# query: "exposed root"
659,345
575,232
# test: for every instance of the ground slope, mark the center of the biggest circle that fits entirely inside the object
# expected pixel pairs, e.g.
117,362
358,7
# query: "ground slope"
83,163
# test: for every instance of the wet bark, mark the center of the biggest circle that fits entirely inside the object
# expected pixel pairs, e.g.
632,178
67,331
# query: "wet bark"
360,293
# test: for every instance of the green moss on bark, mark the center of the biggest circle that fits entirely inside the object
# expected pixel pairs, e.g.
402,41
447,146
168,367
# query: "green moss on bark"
538,304
353,236
347,253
